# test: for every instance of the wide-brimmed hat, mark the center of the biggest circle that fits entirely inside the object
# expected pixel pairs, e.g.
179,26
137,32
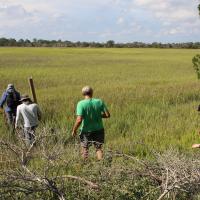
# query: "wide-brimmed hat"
25,97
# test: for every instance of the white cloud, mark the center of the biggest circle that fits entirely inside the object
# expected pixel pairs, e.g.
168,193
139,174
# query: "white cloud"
120,20
13,15
173,31
176,18
13,12
92,20
170,10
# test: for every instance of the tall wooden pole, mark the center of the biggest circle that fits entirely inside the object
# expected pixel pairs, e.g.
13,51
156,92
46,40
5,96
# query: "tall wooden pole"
31,84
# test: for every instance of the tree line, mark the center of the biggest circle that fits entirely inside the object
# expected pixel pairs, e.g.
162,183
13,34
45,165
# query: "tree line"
5,42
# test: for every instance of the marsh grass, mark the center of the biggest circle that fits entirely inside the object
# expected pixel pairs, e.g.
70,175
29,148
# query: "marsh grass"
152,94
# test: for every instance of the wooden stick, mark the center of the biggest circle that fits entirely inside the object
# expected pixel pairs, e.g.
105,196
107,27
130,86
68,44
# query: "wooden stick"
31,84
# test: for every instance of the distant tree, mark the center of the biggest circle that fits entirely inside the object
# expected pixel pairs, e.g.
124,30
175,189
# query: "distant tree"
12,42
21,43
110,44
34,42
78,44
92,44
85,44
3,41
28,43
68,43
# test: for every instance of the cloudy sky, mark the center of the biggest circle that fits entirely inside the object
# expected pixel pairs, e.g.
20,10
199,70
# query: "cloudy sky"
101,20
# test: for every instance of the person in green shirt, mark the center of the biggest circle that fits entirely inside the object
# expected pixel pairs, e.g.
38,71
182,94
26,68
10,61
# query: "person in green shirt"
90,112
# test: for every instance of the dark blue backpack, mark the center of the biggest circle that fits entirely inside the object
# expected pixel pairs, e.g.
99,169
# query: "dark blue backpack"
11,100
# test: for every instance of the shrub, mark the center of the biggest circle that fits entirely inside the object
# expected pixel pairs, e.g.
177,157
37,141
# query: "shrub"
196,65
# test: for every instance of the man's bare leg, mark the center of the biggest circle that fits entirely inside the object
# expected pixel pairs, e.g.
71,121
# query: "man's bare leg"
84,153
194,146
99,153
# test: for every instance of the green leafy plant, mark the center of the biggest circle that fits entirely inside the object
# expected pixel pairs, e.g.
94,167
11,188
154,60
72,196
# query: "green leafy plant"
199,9
196,65
196,59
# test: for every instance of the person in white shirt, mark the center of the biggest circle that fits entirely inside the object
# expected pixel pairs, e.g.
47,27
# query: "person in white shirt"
30,113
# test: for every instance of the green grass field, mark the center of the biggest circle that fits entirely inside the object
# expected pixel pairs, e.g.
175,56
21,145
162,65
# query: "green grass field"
152,94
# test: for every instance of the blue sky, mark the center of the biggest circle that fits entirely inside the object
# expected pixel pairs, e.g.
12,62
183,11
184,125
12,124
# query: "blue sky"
101,20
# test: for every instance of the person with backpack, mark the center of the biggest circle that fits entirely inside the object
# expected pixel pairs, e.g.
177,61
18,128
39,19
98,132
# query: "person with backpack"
30,114
11,99
90,112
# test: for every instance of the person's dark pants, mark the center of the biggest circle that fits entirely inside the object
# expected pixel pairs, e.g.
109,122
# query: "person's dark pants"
10,117
88,138
29,134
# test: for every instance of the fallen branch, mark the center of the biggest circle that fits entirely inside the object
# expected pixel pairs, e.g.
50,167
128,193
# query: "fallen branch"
89,183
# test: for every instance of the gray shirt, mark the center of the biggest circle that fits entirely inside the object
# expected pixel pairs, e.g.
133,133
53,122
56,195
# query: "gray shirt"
30,113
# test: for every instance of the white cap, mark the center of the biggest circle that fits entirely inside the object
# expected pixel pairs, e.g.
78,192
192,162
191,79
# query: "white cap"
10,88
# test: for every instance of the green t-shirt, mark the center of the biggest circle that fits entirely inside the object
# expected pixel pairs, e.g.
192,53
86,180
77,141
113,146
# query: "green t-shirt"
91,111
